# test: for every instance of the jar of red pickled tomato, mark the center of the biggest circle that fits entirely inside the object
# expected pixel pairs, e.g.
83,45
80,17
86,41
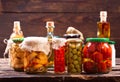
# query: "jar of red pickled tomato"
59,54
97,55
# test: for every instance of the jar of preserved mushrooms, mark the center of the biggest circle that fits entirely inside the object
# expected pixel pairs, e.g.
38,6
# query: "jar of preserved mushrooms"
74,59
36,54
97,56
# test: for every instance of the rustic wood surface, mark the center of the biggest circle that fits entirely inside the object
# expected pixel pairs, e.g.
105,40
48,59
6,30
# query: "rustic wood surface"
8,74
81,14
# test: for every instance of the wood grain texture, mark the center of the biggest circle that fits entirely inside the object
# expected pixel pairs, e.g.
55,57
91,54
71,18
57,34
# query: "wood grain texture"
8,74
33,14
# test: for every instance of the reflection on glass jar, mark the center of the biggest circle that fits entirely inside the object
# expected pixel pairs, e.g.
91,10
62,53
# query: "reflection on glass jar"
97,56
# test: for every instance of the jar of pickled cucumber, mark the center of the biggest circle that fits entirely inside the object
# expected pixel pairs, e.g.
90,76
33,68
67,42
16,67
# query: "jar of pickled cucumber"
97,56
36,54
67,37
74,59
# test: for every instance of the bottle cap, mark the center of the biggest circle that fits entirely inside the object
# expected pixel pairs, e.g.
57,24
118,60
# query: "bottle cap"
50,24
16,25
103,13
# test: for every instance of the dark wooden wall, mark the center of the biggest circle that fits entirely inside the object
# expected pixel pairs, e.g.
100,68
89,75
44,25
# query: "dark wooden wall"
81,14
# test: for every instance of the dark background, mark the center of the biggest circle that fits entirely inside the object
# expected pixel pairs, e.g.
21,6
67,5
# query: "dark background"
81,14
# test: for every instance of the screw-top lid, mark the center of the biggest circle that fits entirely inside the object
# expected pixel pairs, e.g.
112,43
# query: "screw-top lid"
111,42
97,39
50,24
67,36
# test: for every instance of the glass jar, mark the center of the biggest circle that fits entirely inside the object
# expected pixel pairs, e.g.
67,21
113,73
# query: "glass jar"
36,55
59,55
69,36
16,55
97,55
74,59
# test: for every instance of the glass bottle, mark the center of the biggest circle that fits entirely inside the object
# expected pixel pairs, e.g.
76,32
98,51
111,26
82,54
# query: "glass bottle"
103,26
15,53
50,33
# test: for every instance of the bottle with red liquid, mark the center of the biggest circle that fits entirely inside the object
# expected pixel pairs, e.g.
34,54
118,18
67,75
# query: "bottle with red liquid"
97,56
59,55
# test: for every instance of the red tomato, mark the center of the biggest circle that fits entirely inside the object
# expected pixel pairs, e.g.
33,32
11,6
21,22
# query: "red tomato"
92,47
102,67
89,67
105,49
108,64
97,57
85,52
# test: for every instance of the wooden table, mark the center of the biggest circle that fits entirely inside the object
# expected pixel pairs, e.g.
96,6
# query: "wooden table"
8,74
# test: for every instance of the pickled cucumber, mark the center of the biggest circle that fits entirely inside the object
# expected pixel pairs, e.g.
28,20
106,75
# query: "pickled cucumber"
75,57
71,66
75,62
74,51
73,46
73,71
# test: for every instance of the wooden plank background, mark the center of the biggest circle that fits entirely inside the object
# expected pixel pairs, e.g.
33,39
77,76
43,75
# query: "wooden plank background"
81,14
